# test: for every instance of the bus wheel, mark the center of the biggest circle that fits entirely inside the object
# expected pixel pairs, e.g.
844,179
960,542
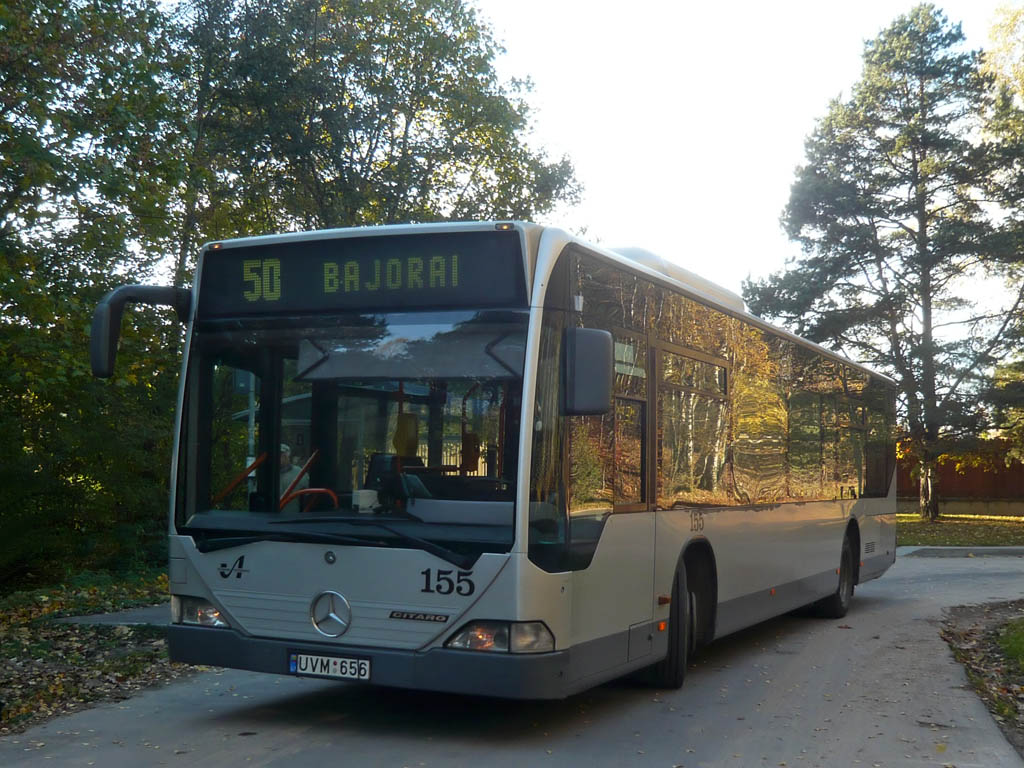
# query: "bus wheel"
837,604
670,671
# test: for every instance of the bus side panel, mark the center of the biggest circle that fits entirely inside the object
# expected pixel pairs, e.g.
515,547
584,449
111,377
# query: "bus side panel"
613,595
536,596
772,559
673,532
878,538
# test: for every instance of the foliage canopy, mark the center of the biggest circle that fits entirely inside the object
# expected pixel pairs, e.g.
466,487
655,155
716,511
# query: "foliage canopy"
133,131
310,115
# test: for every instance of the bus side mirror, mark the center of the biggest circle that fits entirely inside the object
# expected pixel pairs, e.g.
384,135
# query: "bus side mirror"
106,320
588,372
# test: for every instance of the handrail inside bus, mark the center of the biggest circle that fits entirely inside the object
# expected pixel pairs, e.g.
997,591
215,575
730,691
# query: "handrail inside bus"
239,478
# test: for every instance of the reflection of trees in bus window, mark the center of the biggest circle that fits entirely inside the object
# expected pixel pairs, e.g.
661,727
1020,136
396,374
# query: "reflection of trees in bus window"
774,421
852,418
759,416
829,446
591,463
630,365
606,458
849,463
691,455
629,452
693,374
826,445
690,324
804,445
635,296
814,374
614,298
880,443
600,285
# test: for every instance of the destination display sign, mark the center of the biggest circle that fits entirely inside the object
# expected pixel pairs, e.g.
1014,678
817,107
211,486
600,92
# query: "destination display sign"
384,272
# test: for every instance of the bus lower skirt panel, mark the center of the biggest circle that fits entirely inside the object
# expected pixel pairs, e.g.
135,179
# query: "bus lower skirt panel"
526,676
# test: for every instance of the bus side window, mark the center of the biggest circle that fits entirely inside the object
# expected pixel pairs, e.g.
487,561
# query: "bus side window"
591,464
630,464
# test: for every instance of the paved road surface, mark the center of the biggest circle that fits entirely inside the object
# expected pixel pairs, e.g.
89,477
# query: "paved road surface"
878,688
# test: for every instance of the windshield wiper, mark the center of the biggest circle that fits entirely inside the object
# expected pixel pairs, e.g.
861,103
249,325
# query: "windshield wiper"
206,543
451,556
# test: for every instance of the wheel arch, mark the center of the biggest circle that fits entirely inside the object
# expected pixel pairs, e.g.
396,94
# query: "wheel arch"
853,534
698,558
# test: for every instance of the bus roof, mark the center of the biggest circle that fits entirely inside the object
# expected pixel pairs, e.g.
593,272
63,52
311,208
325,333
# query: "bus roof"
709,293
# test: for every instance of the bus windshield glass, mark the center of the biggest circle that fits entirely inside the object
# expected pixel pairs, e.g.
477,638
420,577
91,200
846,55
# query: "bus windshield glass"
399,428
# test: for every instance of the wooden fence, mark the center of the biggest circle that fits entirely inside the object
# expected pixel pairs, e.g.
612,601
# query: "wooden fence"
969,484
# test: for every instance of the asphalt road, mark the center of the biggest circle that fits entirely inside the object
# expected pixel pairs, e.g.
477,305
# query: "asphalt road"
878,688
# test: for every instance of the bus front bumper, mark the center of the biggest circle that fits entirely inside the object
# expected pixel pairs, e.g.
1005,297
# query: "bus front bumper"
505,675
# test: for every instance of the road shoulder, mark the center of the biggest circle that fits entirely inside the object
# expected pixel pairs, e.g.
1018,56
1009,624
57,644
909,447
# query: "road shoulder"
972,632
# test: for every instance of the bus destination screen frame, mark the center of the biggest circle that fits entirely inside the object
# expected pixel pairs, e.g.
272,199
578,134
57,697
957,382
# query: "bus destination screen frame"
338,274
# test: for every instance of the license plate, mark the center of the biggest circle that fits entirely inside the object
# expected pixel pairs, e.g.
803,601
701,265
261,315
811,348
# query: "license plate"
342,667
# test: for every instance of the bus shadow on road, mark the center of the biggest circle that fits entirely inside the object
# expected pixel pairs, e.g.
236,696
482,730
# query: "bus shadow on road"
351,709
384,712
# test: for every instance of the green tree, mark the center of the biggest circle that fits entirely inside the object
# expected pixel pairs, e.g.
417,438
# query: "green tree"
1004,58
900,209
1007,399
1004,61
132,132
83,179
311,114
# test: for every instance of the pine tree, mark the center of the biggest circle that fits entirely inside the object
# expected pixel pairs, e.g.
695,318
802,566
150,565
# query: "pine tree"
901,212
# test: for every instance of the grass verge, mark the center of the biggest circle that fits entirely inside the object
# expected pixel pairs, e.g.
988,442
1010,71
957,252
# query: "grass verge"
52,668
960,531
1011,640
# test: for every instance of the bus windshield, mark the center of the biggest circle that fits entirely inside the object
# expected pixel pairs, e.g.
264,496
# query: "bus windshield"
401,428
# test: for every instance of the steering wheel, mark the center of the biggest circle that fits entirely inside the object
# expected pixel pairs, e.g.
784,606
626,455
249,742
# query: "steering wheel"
307,491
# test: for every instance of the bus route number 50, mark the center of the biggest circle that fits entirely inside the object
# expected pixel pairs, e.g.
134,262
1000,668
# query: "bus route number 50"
263,276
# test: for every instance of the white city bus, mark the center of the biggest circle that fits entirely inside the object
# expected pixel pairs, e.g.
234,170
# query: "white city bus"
490,458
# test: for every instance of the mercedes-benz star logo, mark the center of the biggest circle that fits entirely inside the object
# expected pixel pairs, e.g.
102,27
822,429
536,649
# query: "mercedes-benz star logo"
331,614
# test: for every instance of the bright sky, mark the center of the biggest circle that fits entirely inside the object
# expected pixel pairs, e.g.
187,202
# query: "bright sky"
686,121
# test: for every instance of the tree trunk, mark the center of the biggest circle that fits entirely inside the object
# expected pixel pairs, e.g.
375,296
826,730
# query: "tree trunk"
928,500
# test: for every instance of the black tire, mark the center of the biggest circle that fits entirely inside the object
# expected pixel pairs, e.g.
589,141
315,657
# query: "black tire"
671,671
837,604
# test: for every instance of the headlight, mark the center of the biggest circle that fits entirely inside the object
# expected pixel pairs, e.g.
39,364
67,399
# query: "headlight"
195,610
481,636
504,637
531,637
